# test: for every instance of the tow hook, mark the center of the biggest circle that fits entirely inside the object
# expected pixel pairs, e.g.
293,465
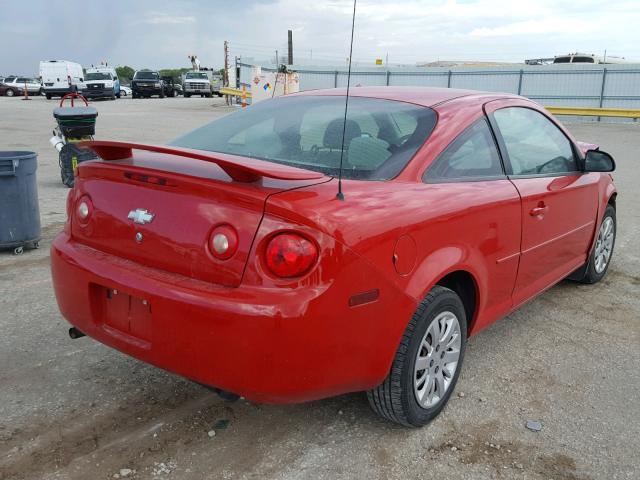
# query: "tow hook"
75,333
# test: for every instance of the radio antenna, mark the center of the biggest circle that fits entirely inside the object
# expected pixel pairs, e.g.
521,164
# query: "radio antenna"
340,195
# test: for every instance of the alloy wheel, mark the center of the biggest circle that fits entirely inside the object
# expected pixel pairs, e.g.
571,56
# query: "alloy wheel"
604,245
437,359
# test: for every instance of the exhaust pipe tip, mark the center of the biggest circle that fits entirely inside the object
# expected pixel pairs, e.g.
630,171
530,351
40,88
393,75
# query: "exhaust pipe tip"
228,396
75,333
223,394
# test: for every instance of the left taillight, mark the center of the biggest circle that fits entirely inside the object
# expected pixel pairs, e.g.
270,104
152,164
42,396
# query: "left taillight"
84,209
290,255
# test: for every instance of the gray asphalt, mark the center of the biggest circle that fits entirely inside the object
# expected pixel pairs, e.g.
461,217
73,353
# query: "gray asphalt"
78,410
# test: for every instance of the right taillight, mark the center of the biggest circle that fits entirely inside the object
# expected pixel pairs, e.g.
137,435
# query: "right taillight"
290,255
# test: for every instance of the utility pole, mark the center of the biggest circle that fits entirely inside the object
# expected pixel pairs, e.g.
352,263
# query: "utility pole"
290,59
277,63
225,78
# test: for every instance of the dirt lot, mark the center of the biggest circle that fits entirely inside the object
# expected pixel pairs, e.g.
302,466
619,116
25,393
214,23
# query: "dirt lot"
74,409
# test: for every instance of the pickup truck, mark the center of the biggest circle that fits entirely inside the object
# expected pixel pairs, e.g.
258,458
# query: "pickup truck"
203,83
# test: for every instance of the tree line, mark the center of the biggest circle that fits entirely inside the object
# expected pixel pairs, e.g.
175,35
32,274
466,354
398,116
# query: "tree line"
125,73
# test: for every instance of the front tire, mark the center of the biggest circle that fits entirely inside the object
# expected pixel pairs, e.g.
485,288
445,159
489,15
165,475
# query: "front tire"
600,257
427,363
9,93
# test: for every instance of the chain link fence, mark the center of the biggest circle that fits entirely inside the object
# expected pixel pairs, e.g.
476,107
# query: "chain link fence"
606,86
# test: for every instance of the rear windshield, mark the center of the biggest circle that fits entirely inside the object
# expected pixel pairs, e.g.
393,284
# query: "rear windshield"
380,136
97,76
146,75
197,75
583,60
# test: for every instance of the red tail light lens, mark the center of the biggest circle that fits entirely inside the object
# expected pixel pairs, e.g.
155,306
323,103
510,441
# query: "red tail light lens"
84,209
223,242
290,255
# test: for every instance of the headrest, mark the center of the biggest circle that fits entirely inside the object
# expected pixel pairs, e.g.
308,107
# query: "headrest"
368,153
333,133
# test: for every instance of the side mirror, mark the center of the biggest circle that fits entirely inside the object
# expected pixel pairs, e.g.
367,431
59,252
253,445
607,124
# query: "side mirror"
598,161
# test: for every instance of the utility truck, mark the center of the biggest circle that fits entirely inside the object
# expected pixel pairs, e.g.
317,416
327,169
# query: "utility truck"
203,82
101,82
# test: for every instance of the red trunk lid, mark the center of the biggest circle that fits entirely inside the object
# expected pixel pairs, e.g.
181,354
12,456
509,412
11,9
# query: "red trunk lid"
188,198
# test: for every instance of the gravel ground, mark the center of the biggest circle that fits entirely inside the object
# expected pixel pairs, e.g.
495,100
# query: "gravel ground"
79,410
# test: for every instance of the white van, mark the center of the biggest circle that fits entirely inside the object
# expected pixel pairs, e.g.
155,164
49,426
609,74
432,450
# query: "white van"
60,77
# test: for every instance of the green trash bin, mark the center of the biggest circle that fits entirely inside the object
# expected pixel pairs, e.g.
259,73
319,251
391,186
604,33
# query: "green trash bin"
19,211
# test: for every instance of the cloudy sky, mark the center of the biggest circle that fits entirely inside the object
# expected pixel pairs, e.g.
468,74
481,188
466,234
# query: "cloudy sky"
161,33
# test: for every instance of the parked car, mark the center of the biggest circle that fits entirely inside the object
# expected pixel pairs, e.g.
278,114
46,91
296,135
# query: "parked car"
169,85
146,83
124,90
34,87
454,208
8,90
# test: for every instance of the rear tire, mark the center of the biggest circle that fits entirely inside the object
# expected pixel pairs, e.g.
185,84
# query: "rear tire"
435,339
9,93
600,258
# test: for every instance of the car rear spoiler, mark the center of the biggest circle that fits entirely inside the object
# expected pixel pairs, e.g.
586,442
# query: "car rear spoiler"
240,169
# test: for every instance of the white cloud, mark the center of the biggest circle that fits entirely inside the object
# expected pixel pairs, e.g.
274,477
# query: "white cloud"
165,19
535,27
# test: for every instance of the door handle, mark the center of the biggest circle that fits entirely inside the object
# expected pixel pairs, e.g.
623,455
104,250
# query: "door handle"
539,211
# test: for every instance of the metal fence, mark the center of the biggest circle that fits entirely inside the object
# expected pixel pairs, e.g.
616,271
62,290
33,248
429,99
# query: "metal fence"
605,86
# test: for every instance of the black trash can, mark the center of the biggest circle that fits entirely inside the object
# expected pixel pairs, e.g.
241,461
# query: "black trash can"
19,211
76,122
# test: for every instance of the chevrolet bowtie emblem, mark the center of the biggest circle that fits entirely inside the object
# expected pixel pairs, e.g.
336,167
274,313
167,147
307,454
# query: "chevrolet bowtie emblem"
140,216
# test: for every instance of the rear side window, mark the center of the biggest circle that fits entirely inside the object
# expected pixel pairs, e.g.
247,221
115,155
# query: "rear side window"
472,155
534,144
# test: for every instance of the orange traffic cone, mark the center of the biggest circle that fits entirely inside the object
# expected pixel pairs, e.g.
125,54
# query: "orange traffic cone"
26,94
244,96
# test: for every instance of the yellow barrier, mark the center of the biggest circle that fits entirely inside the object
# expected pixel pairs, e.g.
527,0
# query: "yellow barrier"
595,112
237,92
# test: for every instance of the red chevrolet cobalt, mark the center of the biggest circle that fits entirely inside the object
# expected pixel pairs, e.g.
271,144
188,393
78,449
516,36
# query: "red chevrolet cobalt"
228,257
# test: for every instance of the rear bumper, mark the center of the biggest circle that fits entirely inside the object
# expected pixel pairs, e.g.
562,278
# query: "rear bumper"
270,345
56,92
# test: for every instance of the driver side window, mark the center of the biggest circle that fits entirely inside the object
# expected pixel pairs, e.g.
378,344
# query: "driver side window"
535,146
